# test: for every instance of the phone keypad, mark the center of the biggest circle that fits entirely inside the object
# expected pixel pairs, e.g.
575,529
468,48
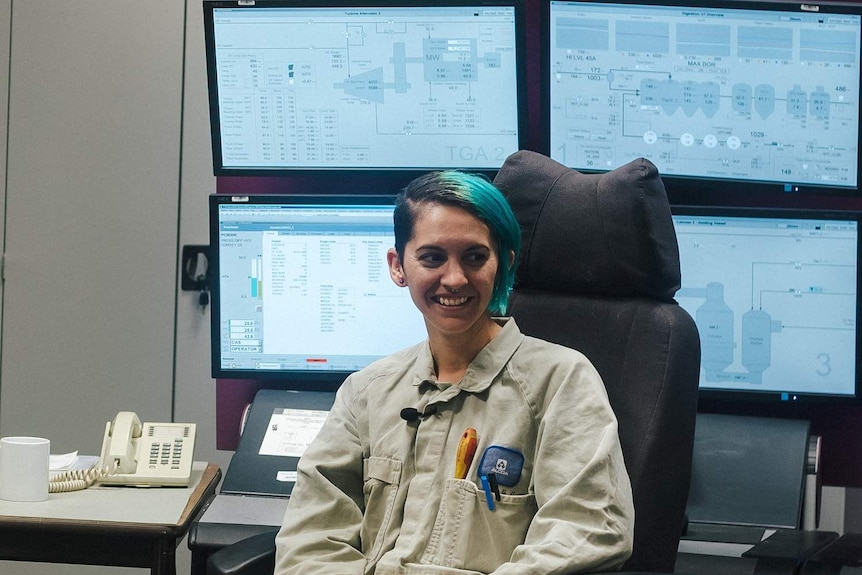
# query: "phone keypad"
167,453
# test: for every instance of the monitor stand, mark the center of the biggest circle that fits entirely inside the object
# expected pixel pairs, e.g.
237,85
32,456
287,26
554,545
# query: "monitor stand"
748,471
745,507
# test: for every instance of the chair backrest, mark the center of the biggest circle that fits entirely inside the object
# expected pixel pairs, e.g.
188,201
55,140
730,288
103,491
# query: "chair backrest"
598,271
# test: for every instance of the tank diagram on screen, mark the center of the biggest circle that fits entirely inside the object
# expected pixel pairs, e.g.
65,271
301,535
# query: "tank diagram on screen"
772,309
711,95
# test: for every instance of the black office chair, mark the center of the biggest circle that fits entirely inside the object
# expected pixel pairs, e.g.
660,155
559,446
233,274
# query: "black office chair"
598,273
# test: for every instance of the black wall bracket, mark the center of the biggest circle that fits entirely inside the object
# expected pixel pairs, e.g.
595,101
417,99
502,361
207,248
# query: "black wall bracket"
195,275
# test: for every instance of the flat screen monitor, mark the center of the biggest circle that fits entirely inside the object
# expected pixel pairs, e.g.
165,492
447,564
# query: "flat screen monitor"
774,294
722,94
302,290
364,85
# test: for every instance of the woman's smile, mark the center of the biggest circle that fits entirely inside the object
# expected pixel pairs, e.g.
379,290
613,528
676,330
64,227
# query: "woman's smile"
449,266
451,301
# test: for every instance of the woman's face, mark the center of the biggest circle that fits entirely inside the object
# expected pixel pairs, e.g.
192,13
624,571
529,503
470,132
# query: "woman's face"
449,266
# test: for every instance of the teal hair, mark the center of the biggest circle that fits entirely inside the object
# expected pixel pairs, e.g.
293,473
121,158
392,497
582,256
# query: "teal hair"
475,194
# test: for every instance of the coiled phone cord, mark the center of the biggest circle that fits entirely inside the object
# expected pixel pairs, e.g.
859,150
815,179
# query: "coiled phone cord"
78,479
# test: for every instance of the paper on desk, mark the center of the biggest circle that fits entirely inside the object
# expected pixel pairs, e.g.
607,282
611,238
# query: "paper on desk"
291,431
63,461
71,461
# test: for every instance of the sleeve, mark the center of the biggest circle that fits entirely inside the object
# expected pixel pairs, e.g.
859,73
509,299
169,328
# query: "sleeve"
320,534
585,517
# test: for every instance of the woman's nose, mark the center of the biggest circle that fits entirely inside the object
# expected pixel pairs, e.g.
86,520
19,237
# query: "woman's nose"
453,276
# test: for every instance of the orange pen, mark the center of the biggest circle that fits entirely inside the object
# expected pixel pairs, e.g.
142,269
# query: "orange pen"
466,451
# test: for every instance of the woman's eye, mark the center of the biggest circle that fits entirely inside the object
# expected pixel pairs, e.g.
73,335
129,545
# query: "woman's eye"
477,259
431,259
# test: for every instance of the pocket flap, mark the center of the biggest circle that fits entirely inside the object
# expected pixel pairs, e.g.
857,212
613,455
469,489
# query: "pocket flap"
382,469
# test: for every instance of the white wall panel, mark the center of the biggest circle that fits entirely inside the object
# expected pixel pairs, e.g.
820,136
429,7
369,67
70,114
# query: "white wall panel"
5,30
91,216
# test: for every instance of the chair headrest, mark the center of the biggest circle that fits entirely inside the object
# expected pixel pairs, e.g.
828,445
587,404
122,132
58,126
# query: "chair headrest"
607,234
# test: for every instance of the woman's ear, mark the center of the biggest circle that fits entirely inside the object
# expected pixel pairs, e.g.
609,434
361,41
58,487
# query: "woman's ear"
396,271
511,258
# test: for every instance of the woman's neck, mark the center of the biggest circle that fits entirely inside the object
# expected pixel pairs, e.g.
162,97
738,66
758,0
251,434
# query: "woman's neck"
453,354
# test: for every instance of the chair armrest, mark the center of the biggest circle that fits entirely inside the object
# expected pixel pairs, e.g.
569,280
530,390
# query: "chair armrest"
254,555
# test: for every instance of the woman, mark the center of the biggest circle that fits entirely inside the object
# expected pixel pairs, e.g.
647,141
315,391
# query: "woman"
379,491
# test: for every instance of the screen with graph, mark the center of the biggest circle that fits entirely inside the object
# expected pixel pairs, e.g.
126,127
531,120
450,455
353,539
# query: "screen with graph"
342,84
302,287
774,294
762,94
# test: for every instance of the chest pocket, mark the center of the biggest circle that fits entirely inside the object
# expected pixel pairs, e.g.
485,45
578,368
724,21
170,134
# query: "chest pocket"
468,535
381,479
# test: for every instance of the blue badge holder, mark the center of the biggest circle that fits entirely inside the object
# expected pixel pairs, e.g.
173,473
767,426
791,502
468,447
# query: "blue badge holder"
504,462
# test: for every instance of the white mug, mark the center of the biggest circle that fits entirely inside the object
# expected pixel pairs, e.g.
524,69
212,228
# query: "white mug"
24,468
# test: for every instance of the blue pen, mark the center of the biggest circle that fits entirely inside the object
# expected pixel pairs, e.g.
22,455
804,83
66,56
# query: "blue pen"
489,497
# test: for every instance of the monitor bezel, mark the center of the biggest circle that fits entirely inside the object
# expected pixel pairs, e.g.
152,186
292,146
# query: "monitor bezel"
220,169
771,403
692,187
293,379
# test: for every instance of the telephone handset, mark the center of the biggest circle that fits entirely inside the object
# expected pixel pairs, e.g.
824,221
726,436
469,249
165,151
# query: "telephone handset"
148,454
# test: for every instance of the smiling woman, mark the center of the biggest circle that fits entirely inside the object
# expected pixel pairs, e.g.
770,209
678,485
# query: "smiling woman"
450,268
380,493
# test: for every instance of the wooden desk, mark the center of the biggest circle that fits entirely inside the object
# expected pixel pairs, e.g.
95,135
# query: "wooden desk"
115,526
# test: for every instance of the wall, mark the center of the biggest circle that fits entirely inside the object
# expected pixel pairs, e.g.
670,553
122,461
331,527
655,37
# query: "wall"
5,30
91,228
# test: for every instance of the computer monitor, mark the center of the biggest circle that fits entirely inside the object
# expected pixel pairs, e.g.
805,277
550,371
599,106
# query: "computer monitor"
726,94
364,85
774,293
302,290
